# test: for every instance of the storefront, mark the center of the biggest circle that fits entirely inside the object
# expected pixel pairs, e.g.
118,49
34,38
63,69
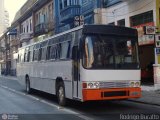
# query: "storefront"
146,52
144,24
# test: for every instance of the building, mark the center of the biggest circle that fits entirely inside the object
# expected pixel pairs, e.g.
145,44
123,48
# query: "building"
72,13
29,25
64,14
89,6
44,21
4,17
3,54
144,16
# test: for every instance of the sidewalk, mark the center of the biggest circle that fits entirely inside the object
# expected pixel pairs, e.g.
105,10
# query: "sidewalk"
149,94
151,97
8,77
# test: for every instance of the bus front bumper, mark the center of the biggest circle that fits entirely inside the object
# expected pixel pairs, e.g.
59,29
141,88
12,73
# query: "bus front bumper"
111,94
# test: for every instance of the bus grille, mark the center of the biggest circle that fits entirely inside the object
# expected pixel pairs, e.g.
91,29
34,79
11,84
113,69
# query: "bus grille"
115,93
114,84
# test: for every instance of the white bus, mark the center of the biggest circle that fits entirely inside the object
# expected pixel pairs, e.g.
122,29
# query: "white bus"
90,62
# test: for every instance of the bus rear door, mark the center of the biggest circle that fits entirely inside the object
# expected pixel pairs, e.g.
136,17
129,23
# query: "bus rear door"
76,70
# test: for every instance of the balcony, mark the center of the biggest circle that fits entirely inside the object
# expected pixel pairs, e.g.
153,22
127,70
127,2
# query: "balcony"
44,28
86,8
70,12
25,36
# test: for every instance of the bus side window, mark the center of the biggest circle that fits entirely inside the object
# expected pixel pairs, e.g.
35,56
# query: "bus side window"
18,58
43,53
28,56
40,54
35,58
69,49
33,55
64,50
53,52
58,51
25,57
48,52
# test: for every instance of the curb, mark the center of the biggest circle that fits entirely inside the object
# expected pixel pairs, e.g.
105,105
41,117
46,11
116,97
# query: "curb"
8,77
143,102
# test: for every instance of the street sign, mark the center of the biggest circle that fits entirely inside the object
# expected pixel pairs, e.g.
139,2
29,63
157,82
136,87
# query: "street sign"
78,20
150,30
157,41
157,50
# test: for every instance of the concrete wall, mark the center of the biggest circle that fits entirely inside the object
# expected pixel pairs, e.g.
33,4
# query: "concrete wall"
124,10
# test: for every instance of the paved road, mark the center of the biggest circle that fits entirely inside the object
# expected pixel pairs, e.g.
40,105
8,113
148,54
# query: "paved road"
42,103
16,104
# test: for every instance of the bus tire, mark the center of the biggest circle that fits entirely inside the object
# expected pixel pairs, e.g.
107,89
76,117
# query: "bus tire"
28,88
61,94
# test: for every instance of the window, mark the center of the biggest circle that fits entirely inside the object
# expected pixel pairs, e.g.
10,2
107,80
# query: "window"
21,55
121,22
53,51
111,23
65,3
141,18
61,6
27,55
43,53
36,52
65,50
110,52
31,53
108,3
30,24
35,55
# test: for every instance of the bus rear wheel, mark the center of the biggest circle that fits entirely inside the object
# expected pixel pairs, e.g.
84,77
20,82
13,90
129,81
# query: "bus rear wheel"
61,94
28,88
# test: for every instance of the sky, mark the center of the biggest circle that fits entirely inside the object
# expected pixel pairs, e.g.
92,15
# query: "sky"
12,6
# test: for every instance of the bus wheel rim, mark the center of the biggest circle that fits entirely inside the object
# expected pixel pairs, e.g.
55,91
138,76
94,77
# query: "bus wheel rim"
27,87
61,94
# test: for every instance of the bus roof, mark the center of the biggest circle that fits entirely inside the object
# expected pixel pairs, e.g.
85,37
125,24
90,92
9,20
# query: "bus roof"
68,31
110,30
97,29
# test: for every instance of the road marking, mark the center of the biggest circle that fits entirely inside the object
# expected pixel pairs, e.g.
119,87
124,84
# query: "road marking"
69,111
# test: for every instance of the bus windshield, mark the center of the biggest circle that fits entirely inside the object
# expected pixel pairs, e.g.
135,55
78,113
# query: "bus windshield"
110,52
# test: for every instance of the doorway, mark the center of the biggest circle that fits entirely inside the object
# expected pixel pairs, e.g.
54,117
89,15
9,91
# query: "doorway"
147,58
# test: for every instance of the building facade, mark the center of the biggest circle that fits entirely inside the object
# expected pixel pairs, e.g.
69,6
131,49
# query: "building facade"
4,17
144,16
72,13
29,25
65,12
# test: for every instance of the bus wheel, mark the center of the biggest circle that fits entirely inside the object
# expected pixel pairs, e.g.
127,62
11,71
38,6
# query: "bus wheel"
28,89
61,95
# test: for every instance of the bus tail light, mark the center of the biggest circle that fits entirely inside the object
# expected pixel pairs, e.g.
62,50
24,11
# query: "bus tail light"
84,85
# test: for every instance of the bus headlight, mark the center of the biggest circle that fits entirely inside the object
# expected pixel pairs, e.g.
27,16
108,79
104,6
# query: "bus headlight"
131,84
93,85
96,84
135,84
90,85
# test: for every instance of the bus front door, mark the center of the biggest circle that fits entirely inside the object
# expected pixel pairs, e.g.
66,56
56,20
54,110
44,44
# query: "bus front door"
75,56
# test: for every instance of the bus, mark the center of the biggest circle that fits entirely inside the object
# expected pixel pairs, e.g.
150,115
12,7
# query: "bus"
87,63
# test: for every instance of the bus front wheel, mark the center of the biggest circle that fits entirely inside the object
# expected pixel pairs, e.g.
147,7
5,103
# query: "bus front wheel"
61,95
28,89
